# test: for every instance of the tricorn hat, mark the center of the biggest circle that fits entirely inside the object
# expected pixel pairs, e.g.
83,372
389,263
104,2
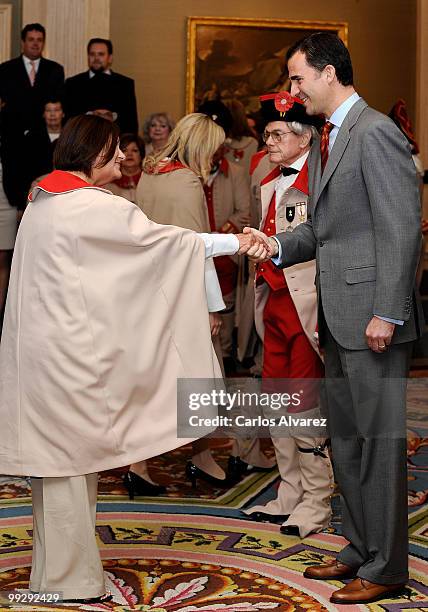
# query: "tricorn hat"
282,106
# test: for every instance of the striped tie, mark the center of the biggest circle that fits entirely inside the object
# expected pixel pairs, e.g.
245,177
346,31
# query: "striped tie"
325,138
32,74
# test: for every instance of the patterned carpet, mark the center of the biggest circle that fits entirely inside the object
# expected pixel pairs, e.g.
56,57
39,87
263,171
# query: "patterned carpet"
193,551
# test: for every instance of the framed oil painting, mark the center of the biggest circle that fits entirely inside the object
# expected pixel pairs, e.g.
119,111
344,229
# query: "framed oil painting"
242,58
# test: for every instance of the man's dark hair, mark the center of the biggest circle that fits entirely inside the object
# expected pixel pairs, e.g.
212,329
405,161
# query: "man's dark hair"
30,27
322,49
81,141
101,41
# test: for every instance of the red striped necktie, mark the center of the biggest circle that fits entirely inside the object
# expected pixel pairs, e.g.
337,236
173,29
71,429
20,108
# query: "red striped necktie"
325,138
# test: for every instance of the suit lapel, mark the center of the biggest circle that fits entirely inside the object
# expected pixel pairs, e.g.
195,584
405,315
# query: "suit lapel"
41,73
339,147
314,170
335,156
22,72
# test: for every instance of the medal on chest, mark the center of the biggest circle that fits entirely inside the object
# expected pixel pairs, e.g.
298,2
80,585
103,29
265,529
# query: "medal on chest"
301,211
290,212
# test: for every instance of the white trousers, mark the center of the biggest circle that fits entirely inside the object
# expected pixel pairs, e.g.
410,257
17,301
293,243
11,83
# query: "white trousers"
66,558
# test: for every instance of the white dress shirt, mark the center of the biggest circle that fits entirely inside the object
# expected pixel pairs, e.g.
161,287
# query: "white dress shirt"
92,73
284,182
338,117
27,64
216,244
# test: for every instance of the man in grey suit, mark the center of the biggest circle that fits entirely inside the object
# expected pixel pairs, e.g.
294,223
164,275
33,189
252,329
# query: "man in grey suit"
365,233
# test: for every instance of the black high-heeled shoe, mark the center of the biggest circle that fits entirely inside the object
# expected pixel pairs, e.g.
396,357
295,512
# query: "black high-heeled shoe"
193,473
136,485
237,468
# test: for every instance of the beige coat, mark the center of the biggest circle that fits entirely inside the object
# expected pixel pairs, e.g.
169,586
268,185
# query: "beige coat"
300,277
231,196
175,198
263,168
241,151
123,192
178,198
99,325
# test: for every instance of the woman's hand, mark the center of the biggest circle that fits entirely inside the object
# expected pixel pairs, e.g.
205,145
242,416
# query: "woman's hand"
215,324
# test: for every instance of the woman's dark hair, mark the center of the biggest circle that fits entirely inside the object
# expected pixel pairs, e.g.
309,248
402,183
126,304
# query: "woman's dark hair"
322,49
81,141
126,140
240,127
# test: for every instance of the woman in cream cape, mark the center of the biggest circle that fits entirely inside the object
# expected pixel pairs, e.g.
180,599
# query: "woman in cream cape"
97,330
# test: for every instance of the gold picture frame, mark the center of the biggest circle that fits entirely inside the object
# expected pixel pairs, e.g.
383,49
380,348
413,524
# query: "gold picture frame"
241,58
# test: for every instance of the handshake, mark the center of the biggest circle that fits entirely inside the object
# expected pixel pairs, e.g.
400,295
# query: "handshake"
256,245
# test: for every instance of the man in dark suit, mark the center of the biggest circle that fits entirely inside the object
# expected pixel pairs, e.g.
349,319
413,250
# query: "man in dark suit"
26,83
99,88
364,230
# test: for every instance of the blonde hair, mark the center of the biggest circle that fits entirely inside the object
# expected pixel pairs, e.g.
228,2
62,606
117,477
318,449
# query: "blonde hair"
193,142
160,117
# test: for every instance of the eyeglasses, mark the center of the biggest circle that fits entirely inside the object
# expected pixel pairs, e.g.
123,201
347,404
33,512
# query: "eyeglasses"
276,136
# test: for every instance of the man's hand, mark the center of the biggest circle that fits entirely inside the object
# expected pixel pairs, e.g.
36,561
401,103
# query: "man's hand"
269,243
253,246
215,323
379,334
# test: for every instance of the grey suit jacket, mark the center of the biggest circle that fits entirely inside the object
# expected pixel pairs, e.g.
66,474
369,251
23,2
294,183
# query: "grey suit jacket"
364,229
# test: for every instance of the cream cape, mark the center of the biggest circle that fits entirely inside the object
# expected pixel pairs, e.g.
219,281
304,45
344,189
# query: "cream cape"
105,311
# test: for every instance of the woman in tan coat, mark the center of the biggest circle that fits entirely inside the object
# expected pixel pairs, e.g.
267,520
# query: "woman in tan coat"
170,191
82,386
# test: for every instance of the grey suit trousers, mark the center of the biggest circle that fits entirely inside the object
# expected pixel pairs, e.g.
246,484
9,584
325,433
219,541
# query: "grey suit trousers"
366,396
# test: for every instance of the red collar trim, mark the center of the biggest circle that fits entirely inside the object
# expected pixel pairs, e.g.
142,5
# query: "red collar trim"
256,159
127,182
170,166
60,181
273,174
301,182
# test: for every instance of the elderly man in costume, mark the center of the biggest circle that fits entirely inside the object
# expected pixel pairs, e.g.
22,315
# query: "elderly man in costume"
286,320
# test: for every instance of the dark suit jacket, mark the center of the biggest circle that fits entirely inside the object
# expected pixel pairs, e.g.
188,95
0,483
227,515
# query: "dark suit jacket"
113,91
21,103
22,110
38,154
